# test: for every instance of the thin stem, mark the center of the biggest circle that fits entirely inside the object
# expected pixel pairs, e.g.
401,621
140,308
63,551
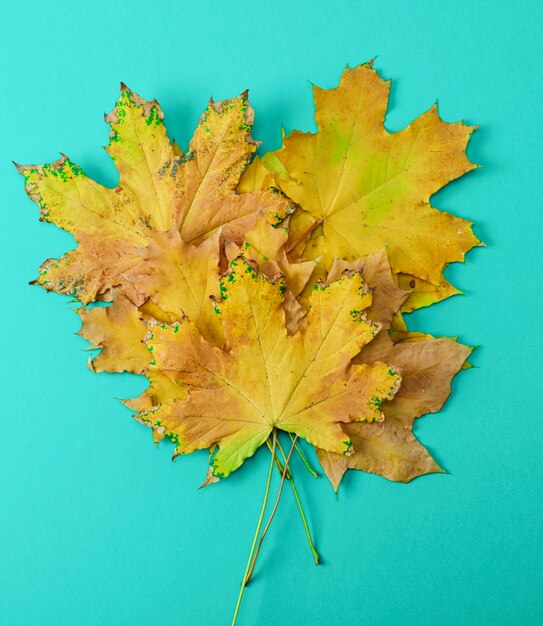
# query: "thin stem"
248,576
304,460
258,526
304,236
280,466
306,526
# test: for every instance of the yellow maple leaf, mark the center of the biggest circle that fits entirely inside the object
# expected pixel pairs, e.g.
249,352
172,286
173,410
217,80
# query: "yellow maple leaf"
188,276
360,188
118,330
160,191
303,383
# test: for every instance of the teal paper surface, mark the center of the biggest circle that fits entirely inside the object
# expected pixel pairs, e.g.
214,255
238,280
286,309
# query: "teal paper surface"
97,526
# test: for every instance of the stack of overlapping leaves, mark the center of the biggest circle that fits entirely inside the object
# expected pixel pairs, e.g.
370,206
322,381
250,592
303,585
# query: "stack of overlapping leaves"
261,295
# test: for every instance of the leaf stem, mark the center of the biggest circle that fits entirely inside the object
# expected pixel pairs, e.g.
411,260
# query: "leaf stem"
280,466
304,459
308,232
287,460
258,526
304,520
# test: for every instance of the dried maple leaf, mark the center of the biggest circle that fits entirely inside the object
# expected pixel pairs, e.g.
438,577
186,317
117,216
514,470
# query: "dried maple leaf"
390,449
304,384
161,194
119,331
194,278
360,188
426,365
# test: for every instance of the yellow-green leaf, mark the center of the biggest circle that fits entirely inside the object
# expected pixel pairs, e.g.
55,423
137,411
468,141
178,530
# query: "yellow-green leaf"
361,188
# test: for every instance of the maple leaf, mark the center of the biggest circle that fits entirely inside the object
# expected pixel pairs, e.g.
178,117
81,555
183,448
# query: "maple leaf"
193,279
390,449
427,366
160,191
376,272
118,330
304,383
360,188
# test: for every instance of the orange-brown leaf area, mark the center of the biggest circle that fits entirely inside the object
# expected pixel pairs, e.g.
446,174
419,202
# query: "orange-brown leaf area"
266,294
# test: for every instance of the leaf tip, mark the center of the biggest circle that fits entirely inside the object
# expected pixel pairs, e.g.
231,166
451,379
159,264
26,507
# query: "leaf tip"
210,479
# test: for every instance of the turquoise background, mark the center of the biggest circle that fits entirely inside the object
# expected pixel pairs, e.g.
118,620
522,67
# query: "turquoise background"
97,526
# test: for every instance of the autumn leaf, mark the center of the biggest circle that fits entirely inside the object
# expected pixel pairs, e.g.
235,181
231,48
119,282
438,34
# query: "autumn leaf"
390,449
387,298
427,366
160,191
304,384
360,188
118,330
182,274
